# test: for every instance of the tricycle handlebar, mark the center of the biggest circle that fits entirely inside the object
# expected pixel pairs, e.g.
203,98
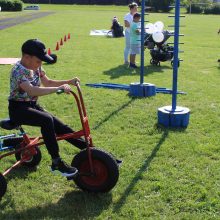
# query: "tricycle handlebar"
60,91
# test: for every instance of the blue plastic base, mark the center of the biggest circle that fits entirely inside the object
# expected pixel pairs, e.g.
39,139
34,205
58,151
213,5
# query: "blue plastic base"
142,90
178,118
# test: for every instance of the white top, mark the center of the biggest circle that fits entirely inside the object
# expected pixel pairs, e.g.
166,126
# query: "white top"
128,17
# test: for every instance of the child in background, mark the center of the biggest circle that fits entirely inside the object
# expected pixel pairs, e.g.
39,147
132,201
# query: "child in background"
135,39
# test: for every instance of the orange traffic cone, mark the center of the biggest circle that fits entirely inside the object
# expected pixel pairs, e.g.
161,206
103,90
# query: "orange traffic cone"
65,38
68,36
57,47
61,42
49,52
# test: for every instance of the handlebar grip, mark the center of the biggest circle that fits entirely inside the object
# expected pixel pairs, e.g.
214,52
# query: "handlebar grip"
59,91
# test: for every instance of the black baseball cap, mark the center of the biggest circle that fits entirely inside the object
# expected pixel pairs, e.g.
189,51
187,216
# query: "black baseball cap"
35,47
137,15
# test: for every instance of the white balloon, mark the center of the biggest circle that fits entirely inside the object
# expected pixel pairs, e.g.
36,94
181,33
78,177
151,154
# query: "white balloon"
158,36
150,29
159,25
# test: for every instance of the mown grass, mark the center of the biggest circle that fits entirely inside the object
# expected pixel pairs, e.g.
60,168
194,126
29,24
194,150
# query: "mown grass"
167,173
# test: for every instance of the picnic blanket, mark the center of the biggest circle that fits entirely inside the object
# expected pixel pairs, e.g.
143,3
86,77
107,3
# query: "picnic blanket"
100,33
11,61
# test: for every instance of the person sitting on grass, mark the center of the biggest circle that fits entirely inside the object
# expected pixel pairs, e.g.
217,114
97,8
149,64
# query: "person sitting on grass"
116,28
25,87
135,38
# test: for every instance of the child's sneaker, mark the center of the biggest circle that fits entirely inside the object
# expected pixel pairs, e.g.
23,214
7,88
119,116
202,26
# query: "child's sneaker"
132,65
64,169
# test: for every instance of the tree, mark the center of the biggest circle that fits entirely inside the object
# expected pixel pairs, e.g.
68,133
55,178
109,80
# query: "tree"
158,5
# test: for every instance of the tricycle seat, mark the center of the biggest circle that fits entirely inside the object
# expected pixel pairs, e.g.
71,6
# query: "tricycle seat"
8,124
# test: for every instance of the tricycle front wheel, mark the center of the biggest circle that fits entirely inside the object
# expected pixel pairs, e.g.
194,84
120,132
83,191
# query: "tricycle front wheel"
105,171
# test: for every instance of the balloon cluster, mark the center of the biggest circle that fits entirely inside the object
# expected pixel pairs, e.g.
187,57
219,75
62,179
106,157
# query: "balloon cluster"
156,30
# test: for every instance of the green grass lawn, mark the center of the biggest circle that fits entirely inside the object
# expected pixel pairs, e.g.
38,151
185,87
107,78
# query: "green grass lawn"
167,173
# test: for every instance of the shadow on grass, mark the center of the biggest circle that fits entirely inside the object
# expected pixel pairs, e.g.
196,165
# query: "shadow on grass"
113,113
138,176
20,172
162,128
73,205
123,70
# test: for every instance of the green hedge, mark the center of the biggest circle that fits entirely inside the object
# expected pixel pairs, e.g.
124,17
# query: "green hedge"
195,9
215,9
11,5
212,9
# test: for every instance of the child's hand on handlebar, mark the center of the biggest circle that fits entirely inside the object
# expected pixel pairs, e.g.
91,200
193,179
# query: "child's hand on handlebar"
66,88
74,81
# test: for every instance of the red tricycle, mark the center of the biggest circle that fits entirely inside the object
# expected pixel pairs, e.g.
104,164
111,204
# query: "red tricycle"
98,170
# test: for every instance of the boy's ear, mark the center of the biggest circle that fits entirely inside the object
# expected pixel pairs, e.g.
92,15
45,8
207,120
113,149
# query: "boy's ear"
26,56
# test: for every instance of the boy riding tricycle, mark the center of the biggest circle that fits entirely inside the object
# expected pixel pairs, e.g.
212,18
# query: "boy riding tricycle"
93,170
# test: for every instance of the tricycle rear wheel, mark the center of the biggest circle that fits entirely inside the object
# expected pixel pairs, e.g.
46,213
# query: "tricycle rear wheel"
33,161
3,186
105,175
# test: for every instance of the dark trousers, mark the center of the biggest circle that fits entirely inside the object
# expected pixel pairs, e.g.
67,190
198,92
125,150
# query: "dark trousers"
30,113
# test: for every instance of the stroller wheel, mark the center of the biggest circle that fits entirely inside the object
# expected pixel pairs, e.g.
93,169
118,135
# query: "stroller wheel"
157,63
172,63
154,62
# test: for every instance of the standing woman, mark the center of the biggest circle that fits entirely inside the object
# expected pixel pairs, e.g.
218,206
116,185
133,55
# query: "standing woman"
127,21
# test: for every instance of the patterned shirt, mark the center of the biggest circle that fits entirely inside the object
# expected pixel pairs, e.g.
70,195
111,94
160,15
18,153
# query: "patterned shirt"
20,74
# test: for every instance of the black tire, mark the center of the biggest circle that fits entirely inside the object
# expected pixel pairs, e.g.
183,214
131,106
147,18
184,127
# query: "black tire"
33,161
158,63
106,172
3,186
152,61
173,63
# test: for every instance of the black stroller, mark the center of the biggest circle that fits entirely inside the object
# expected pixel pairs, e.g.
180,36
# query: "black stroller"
160,52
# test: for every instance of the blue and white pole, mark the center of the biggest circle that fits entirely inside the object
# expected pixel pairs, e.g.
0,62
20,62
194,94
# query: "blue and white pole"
142,41
142,89
174,116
